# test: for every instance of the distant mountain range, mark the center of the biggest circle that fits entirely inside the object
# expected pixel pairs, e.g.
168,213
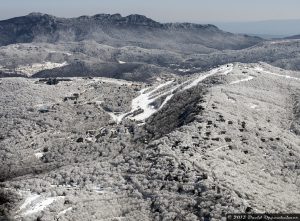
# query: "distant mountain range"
293,37
118,31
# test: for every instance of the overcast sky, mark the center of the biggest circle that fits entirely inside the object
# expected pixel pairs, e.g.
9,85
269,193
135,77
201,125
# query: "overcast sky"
201,11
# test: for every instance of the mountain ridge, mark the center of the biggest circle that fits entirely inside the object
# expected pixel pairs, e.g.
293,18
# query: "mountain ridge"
135,19
115,30
293,37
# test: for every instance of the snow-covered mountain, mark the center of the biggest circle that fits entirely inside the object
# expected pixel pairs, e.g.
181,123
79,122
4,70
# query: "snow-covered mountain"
204,145
115,30
123,118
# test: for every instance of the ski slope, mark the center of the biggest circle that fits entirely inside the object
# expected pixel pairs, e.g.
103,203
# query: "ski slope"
142,107
35,203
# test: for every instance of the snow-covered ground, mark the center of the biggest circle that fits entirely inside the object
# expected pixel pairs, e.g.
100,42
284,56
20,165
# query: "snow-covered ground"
260,69
283,41
39,155
143,102
253,106
249,78
141,105
143,109
35,203
32,69
64,211
224,70
62,52
30,198
40,205
184,70
117,117
101,189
